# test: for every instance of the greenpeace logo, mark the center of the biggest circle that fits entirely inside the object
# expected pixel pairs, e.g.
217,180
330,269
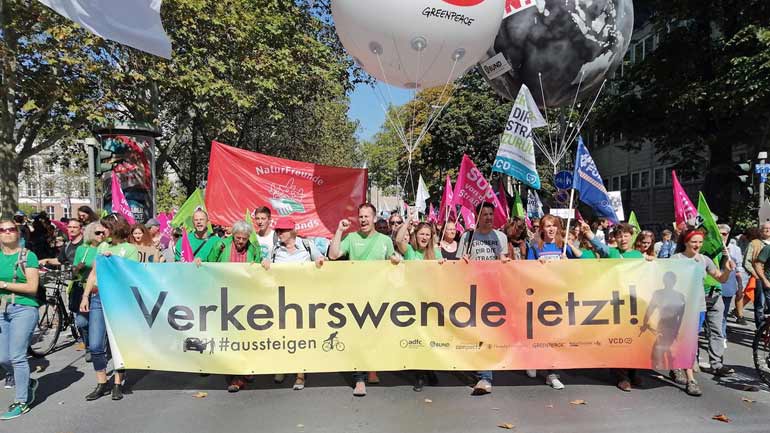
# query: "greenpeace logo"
448,15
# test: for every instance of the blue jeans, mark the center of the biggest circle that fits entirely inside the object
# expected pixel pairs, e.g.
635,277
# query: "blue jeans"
17,323
81,322
97,334
485,375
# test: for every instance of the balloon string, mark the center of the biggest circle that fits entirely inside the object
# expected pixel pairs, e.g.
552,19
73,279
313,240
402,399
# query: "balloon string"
401,131
432,118
574,101
545,110
577,132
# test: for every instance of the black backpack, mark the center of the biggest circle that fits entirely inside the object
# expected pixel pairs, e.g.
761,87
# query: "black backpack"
21,264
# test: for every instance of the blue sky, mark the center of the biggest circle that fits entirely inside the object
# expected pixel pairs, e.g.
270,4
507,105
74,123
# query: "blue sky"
365,106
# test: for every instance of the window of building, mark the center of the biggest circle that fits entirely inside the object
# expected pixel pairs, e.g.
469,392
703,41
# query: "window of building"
48,188
616,183
624,182
668,177
648,45
606,184
31,188
659,176
66,211
635,180
50,210
644,179
639,52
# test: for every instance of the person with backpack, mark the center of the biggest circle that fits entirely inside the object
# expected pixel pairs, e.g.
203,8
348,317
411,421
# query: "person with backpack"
19,278
484,243
292,249
235,249
117,229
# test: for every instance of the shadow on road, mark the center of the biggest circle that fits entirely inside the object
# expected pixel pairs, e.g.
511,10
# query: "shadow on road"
53,382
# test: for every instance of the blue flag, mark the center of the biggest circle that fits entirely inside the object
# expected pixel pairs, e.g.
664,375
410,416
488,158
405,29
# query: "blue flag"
588,183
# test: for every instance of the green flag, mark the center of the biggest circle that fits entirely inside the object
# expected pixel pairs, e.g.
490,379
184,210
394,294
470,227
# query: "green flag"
184,216
632,220
253,236
712,241
517,210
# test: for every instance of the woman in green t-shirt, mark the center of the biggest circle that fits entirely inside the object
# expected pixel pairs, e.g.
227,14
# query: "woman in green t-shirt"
419,247
86,253
118,230
18,315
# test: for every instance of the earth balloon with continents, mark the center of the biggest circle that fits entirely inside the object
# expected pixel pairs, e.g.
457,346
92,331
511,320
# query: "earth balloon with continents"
417,43
572,45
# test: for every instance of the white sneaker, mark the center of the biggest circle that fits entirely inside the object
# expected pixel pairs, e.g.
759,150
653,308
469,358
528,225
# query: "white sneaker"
553,380
532,373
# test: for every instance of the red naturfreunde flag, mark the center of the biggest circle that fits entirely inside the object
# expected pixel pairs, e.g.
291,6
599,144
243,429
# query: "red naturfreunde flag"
472,189
317,197
684,210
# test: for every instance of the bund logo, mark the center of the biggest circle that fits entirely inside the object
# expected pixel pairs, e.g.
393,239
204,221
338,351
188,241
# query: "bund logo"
464,3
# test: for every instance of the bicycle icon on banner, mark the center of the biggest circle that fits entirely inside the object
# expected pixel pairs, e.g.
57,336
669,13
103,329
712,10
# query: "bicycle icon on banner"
332,343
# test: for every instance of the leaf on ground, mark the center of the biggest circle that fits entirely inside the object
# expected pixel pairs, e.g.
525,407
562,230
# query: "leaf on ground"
747,400
300,425
427,400
201,394
578,402
495,408
550,406
721,417
507,426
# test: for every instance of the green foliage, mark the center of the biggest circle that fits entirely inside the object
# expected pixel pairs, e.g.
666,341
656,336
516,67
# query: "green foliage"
703,90
168,196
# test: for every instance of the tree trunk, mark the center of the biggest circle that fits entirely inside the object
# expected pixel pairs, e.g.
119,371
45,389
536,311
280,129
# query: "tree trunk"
9,177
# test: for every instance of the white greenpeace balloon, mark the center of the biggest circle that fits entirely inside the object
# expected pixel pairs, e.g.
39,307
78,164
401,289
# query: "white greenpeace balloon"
417,43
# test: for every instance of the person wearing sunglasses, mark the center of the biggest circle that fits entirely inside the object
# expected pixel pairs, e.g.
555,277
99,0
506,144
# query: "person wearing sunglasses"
93,236
18,315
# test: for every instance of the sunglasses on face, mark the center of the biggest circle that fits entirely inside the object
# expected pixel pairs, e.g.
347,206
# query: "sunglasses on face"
99,232
393,223
8,230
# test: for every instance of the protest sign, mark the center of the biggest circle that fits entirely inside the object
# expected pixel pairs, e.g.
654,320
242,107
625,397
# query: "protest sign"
237,318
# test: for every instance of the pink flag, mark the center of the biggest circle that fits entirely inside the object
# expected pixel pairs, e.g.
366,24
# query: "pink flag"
502,199
164,219
432,216
119,202
472,189
683,208
447,210
187,253
469,218
61,226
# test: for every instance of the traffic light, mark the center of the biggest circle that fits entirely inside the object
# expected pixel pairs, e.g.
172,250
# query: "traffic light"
744,176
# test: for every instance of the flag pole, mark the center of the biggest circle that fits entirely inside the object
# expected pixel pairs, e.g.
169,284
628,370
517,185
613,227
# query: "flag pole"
569,219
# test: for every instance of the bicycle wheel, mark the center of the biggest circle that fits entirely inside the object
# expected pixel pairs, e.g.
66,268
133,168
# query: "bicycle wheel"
47,331
761,348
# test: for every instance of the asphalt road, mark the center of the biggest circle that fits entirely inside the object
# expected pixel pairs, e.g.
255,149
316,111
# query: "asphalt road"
165,402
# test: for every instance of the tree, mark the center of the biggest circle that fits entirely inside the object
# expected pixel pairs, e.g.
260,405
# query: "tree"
705,88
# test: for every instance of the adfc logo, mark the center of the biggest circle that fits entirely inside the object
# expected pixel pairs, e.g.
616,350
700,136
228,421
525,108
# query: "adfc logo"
464,3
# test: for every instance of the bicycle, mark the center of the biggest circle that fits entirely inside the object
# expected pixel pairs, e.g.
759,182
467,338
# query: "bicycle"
54,315
334,343
761,351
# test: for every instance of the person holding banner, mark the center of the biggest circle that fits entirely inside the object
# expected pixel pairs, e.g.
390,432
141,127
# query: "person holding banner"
420,247
291,249
645,243
200,241
364,244
265,234
484,243
19,278
549,247
516,232
710,306
117,229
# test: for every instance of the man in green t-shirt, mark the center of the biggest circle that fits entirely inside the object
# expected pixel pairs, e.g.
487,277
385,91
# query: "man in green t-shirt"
200,242
365,244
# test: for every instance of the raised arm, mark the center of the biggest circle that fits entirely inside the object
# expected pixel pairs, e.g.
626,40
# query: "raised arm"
335,251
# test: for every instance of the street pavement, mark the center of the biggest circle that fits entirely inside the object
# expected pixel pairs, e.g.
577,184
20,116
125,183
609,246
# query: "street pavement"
165,402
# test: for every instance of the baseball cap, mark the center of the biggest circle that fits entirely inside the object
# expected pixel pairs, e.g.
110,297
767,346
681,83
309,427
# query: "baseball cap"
152,222
284,223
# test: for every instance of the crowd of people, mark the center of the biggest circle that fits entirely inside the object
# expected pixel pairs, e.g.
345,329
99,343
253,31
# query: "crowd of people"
27,249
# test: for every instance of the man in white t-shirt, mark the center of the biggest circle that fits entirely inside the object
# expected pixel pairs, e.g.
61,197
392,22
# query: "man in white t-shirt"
265,234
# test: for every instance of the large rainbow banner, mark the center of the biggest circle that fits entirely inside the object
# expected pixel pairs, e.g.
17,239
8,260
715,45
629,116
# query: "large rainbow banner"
346,316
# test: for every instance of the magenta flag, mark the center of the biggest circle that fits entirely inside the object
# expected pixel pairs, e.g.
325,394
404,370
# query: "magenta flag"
432,216
469,218
119,202
164,219
502,199
187,253
472,189
683,208
447,209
